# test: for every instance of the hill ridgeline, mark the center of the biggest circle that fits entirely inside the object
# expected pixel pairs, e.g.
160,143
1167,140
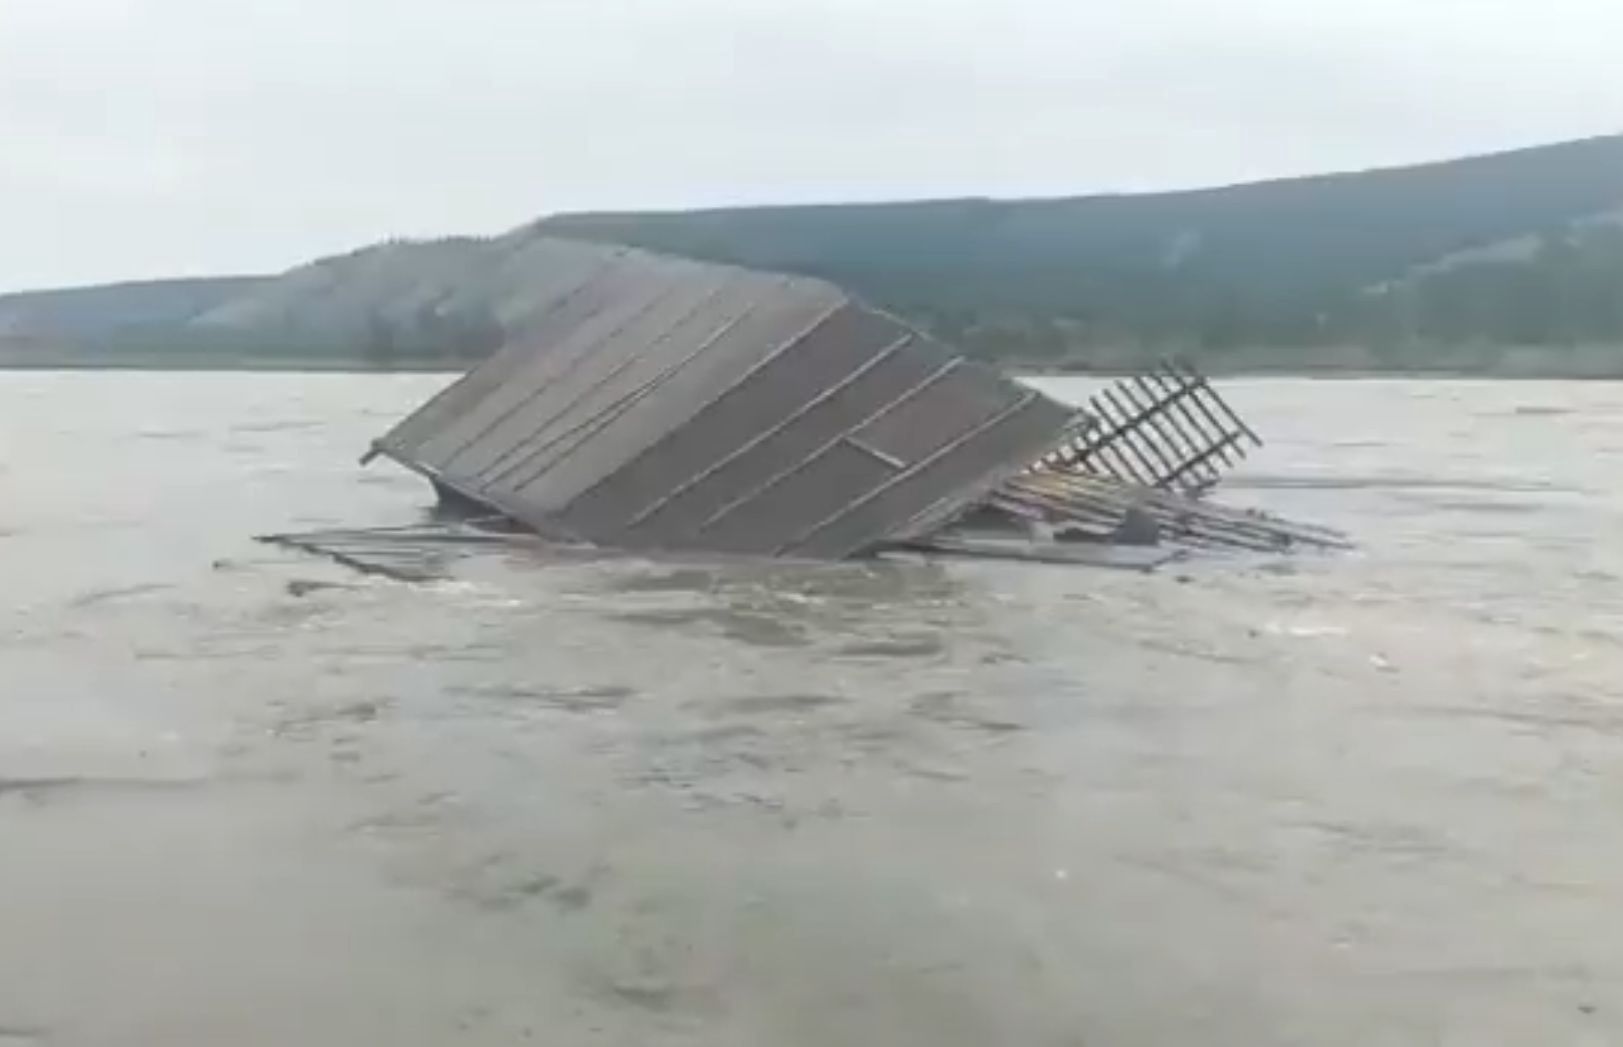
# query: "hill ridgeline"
1504,264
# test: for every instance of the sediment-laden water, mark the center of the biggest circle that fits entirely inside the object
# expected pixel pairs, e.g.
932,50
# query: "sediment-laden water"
1332,800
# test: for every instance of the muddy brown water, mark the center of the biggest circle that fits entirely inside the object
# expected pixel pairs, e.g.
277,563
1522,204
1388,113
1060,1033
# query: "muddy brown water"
1367,799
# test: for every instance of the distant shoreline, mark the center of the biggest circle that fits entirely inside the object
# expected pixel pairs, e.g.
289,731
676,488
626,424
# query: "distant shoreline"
261,365
1348,375
247,366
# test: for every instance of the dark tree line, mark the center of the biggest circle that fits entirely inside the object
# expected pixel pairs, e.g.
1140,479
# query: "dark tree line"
1317,262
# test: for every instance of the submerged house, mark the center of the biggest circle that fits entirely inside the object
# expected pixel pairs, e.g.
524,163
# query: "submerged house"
666,404
657,403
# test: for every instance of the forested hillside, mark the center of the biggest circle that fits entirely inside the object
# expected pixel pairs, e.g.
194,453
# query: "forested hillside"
1384,268
1511,263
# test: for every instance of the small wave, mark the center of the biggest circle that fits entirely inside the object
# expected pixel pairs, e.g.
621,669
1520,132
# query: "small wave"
173,434
1486,507
128,592
273,427
1346,482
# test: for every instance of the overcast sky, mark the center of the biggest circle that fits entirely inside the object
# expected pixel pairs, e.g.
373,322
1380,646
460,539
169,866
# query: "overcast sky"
143,138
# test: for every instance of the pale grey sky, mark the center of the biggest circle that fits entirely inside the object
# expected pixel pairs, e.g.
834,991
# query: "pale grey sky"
144,138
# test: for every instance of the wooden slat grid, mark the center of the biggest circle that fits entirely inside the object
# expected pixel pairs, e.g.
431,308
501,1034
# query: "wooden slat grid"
1168,430
1096,506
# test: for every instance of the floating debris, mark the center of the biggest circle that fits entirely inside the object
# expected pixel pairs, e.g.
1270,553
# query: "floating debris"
1094,508
1168,429
416,553
663,404
669,406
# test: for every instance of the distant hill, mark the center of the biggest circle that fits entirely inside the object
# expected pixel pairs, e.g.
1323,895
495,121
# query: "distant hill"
62,320
397,305
1511,263
1397,267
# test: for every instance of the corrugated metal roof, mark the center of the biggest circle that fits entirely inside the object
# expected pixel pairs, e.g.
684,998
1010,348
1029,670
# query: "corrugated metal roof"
659,403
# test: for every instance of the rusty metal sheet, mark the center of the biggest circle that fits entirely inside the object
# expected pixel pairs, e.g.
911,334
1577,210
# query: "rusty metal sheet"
661,403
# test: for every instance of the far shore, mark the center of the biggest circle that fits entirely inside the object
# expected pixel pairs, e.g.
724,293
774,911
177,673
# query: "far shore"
1525,370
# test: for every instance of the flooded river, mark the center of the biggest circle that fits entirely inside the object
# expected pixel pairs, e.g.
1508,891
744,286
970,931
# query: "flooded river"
1352,800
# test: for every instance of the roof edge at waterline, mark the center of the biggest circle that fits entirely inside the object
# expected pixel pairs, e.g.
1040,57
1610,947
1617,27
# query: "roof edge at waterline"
657,403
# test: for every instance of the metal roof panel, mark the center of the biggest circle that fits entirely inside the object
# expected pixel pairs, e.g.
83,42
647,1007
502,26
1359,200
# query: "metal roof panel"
665,403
